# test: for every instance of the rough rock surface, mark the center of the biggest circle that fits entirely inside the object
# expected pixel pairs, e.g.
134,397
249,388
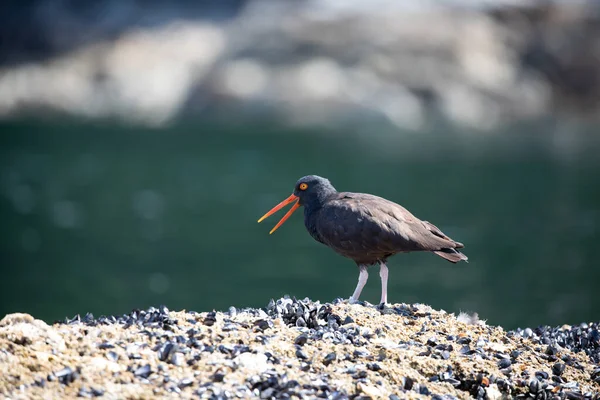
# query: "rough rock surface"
295,348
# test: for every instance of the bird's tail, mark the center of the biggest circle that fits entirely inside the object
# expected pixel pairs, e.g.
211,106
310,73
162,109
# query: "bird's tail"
452,255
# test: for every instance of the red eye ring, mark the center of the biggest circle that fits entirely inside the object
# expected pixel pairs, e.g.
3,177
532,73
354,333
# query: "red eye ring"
303,186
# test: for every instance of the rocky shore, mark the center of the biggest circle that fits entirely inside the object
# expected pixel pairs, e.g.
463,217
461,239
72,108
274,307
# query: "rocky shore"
295,349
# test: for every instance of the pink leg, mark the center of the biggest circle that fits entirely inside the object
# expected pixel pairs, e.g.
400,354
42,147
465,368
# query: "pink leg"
362,280
383,274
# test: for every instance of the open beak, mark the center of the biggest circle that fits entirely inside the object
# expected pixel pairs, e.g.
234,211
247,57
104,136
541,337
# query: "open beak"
278,207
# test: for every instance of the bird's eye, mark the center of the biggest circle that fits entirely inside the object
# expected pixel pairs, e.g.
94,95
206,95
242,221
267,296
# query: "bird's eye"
303,186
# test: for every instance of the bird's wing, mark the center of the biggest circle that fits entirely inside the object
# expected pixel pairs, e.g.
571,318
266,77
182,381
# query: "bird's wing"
436,231
357,223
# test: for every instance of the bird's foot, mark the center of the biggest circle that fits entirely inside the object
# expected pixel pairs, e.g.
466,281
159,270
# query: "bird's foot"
352,300
359,302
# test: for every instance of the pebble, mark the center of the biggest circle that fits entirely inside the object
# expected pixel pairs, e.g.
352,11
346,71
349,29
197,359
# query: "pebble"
165,350
301,340
106,345
143,371
177,359
301,355
408,383
218,377
112,356
374,367
65,375
261,324
210,319
186,382
252,362
541,375
329,358
369,390
558,369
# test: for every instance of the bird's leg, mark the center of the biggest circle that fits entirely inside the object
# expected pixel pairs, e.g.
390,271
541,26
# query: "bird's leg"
383,274
362,280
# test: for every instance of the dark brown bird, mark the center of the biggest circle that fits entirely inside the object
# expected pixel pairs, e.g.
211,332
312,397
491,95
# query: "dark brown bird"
365,228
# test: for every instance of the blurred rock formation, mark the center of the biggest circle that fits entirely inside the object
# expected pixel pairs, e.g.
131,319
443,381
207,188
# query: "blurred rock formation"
305,62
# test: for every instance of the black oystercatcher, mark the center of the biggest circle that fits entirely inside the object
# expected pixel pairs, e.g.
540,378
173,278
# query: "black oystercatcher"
365,228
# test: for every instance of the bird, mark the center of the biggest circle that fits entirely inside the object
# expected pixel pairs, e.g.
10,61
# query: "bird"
365,228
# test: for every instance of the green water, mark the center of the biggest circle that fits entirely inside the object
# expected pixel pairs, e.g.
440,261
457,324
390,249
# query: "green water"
105,218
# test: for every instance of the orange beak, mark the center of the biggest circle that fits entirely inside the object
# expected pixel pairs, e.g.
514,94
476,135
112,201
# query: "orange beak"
278,207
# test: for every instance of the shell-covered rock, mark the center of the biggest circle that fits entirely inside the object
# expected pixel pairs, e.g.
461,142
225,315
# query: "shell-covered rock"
339,350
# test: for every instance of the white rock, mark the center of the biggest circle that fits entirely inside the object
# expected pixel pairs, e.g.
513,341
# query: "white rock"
253,362
492,393
102,364
26,330
369,390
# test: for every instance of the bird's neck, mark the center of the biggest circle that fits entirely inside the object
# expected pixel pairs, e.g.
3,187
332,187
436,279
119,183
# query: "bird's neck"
317,201
312,209
311,215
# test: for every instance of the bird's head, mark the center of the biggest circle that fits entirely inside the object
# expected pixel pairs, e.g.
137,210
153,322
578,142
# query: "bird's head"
312,188
309,190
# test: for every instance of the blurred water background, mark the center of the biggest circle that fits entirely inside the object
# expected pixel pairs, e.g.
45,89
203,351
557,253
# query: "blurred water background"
140,143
